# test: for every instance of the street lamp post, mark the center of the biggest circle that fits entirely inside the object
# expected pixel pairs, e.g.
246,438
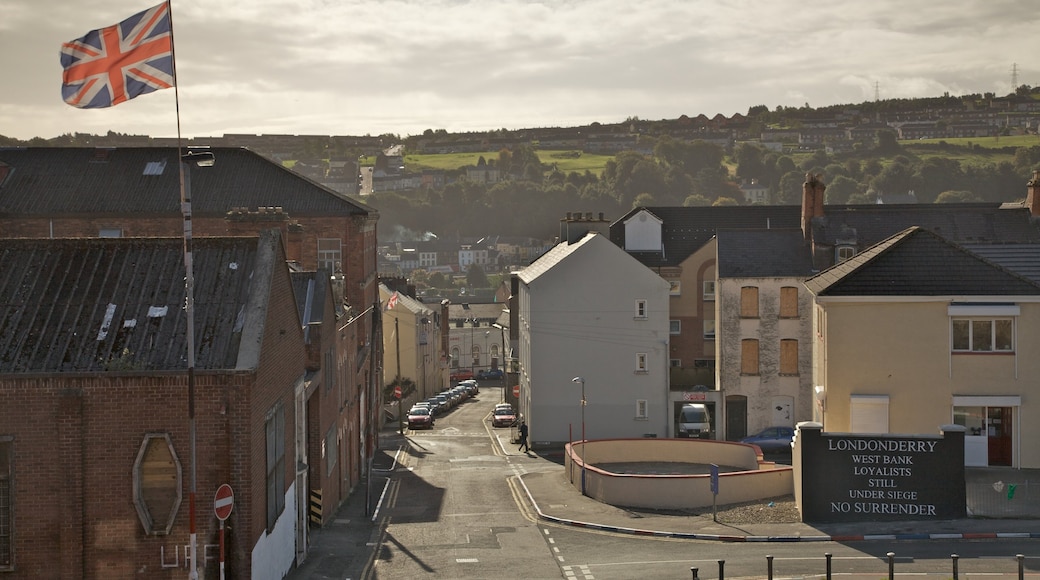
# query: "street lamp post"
487,355
582,381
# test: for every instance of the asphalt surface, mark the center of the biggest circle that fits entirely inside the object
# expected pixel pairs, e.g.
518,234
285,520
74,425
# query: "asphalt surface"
346,546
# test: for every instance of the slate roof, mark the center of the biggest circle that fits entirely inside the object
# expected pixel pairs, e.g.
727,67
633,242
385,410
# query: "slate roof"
117,304
779,253
1022,259
80,180
958,222
686,229
918,262
487,312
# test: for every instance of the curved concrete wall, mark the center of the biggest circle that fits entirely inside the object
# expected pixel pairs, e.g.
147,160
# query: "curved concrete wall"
755,478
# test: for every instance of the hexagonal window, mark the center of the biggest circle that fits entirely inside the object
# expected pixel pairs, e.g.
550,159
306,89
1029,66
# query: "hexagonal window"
157,484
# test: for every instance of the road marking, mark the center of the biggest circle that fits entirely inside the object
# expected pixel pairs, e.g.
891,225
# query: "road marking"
582,569
466,560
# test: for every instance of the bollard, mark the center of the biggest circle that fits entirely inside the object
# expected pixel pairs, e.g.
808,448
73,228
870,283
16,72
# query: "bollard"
769,567
828,556
694,572
954,558
722,573
891,566
1021,566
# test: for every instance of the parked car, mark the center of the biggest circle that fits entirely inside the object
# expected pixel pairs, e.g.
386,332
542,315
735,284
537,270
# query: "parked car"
490,374
772,439
435,405
471,383
420,418
503,417
461,375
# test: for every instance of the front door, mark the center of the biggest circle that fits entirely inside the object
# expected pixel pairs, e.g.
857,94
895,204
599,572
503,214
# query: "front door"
999,429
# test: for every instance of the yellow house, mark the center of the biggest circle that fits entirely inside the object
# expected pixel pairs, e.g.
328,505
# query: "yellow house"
918,332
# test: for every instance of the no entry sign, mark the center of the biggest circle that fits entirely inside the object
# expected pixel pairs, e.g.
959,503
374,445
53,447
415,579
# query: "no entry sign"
223,501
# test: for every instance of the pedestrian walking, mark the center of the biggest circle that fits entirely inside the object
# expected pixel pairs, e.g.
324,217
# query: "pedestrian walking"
523,437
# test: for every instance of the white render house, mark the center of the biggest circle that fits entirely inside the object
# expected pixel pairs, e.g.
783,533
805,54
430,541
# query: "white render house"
589,310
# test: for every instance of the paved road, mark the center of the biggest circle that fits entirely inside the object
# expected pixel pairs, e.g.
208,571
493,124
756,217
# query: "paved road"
452,503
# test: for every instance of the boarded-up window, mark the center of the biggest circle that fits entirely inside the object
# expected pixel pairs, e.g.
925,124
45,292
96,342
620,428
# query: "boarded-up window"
788,356
749,302
749,356
157,483
789,302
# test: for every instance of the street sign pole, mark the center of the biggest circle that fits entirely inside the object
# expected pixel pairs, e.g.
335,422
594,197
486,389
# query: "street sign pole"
223,502
714,492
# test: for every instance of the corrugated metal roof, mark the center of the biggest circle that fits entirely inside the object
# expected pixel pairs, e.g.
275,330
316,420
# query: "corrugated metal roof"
67,180
92,305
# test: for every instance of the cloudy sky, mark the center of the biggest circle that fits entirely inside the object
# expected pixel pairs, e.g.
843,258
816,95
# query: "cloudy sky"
356,67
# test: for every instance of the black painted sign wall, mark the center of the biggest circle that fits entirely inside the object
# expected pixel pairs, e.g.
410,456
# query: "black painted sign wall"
849,477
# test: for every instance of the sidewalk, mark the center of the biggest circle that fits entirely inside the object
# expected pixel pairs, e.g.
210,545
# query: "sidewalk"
556,500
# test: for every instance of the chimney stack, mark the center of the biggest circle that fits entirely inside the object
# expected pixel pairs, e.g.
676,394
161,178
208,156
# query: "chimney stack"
812,203
1033,195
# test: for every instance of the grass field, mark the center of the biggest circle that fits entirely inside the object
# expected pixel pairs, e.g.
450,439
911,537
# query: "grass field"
566,161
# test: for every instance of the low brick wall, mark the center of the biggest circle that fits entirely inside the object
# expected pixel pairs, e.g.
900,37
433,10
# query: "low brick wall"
753,478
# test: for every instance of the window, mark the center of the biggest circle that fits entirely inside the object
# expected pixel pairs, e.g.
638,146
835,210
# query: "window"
330,254
674,287
674,327
641,409
329,370
110,232
749,356
641,362
640,308
842,253
789,302
709,329
749,302
983,335
455,356
157,484
675,362
709,290
476,355
275,429
788,356
6,503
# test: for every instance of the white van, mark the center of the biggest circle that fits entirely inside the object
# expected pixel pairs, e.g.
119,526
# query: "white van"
694,421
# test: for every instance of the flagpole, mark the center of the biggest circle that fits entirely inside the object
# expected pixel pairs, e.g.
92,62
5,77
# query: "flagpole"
189,302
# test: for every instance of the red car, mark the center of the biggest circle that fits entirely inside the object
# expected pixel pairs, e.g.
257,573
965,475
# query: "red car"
420,418
503,417
461,375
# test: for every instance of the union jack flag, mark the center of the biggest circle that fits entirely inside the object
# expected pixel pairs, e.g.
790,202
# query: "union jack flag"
117,63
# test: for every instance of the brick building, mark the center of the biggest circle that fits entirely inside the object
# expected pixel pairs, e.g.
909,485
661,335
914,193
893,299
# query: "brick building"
136,192
95,457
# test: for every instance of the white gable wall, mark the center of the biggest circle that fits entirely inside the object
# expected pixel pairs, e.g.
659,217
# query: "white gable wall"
643,233
578,318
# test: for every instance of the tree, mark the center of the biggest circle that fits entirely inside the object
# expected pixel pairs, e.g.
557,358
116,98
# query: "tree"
952,196
475,277
696,201
749,161
725,201
841,189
